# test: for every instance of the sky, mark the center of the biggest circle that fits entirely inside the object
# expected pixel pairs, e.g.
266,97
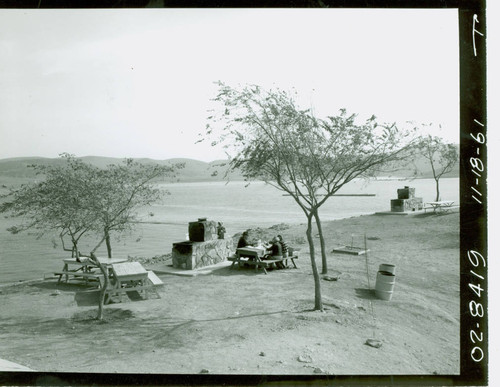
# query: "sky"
139,82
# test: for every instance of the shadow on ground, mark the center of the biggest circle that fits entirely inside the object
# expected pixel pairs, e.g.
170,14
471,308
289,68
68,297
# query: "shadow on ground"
431,213
61,286
87,298
91,298
367,294
84,295
247,271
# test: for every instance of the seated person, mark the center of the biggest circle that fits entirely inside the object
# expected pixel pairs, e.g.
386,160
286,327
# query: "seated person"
284,246
243,241
275,251
284,249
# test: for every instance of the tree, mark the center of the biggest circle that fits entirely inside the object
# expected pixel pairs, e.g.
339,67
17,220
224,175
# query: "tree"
120,190
59,202
78,199
442,157
269,138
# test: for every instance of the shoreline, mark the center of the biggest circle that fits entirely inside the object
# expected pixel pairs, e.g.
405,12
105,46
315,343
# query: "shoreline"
288,225
239,207
27,281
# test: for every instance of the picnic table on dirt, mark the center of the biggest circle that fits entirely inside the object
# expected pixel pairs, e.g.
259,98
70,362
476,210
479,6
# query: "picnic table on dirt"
440,206
123,276
130,276
84,269
253,256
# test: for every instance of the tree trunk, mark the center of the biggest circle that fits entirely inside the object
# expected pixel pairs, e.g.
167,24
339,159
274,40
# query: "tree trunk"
324,269
74,251
108,243
437,190
435,177
318,303
104,271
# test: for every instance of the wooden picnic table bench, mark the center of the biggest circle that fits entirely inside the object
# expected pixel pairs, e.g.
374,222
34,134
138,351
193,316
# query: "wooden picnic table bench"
123,276
131,276
266,263
76,274
440,206
84,268
253,256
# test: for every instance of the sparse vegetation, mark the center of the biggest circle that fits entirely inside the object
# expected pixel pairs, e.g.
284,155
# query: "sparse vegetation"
77,199
270,138
441,156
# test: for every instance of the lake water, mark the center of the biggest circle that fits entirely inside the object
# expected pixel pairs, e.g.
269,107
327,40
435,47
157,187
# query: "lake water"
238,206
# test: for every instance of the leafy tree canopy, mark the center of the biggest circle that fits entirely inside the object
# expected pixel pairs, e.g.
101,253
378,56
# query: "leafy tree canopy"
441,156
78,198
269,137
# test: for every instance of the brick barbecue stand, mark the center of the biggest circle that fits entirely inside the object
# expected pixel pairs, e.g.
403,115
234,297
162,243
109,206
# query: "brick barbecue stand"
203,247
406,201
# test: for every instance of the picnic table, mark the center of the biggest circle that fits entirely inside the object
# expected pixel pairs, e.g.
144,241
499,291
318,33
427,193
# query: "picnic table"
84,269
126,277
442,205
123,276
253,256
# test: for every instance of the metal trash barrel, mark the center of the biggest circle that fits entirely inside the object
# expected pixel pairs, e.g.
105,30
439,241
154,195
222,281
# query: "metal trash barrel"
388,268
384,287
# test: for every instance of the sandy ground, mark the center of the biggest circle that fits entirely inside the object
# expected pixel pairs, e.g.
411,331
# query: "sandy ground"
238,322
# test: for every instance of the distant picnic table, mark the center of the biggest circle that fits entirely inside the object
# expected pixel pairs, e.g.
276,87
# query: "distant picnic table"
440,206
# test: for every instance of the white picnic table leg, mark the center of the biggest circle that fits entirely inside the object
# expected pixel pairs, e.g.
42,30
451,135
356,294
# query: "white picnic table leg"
259,261
86,269
119,287
143,283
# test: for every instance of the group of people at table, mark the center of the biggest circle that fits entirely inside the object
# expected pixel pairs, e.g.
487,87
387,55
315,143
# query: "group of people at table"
275,249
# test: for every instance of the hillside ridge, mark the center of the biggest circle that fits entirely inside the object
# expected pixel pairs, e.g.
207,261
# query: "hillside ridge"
193,171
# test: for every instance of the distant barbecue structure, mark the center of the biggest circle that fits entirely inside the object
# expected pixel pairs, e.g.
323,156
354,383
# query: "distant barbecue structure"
206,246
406,201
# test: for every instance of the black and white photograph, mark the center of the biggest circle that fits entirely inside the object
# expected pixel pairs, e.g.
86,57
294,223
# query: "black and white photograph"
243,195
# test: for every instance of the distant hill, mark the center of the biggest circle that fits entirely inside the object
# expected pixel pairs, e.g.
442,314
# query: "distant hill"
193,171
19,167
423,168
